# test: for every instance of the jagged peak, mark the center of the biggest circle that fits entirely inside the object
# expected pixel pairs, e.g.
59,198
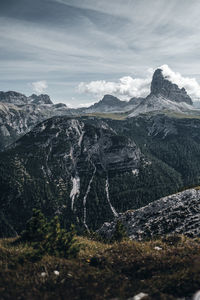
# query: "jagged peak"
161,85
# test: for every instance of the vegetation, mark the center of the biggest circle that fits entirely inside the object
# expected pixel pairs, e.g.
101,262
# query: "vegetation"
164,269
48,237
120,232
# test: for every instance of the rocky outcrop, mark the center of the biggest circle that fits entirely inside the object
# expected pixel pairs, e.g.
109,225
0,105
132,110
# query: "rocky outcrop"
175,214
161,86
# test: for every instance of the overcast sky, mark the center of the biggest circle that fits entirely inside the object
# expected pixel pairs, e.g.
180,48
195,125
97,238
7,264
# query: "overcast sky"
76,50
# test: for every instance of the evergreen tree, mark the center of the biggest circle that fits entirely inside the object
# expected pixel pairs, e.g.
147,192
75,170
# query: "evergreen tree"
119,233
36,228
49,238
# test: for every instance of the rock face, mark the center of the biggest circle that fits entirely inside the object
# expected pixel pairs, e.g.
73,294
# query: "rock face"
175,214
161,86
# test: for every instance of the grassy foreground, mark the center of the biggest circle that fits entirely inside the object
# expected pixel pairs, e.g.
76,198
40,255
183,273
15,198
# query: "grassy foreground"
167,269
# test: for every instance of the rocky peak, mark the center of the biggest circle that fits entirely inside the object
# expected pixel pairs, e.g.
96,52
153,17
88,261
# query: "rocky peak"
110,100
160,85
13,97
40,99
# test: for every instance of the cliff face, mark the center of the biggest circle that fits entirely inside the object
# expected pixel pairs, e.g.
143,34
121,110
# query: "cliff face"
161,86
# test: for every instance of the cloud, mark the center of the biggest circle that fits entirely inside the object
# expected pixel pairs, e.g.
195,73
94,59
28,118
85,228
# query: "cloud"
125,88
39,86
190,84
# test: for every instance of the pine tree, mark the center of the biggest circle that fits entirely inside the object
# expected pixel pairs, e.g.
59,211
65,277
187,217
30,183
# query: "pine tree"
119,233
49,238
36,228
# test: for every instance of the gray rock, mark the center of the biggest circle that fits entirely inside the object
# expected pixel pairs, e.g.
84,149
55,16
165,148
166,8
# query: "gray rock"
175,214
160,85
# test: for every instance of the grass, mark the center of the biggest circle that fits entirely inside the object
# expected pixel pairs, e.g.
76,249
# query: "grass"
164,269
113,116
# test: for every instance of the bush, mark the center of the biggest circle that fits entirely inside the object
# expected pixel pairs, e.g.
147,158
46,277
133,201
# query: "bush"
49,238
119,233
36,228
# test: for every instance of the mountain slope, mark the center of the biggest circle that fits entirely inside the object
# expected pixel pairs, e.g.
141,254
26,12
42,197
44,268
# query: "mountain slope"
81,169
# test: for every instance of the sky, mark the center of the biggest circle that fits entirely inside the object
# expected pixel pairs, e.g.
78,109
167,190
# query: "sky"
78,50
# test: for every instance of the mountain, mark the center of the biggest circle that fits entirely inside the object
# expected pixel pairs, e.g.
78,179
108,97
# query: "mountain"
164,96
20,99
19,114
111,104
175,214
40,99
80,169
161,86
88,170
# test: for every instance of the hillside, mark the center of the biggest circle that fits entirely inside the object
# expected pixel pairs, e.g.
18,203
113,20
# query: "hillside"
164,270
80,169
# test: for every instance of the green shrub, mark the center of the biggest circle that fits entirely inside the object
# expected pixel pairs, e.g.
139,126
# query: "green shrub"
119,233
36,228
49,238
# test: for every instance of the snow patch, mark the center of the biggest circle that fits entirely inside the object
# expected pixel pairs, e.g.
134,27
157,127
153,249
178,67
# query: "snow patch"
135,172
75,189
108,198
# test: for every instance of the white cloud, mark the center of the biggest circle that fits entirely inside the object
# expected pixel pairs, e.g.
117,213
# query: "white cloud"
125,88
39,86
190,84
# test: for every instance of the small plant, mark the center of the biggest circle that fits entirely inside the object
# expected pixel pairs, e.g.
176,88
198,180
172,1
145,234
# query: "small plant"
119,233
49,238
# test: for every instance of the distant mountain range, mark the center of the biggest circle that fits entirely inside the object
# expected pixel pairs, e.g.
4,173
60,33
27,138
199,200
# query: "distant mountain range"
19,114
89,165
